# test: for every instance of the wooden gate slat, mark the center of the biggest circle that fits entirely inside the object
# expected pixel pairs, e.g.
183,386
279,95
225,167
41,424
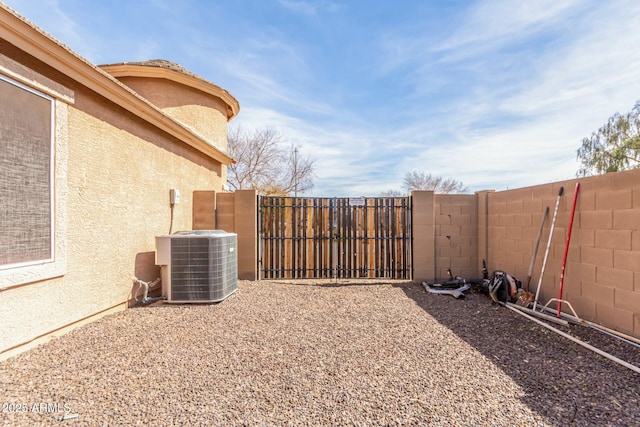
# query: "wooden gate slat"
330,237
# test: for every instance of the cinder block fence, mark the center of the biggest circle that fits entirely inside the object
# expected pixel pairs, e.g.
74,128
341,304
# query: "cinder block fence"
602,277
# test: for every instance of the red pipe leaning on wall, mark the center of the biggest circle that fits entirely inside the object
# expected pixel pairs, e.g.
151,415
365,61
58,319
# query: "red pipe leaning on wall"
566,248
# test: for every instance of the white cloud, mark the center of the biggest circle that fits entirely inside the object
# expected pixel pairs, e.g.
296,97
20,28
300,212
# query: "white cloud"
596,74
310,8
304,7
497,96
526,130
494,23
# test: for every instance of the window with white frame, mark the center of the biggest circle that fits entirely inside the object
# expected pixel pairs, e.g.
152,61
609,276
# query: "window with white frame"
26,175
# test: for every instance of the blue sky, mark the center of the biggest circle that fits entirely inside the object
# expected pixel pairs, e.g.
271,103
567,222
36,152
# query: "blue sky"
494,93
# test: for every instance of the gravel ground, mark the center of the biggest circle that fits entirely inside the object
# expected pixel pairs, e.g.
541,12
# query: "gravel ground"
322,353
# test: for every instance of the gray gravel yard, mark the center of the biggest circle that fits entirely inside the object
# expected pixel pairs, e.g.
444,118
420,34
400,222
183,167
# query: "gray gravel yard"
321,353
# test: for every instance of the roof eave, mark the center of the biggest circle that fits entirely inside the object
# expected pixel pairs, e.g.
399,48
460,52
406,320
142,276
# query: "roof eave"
145,71
20,33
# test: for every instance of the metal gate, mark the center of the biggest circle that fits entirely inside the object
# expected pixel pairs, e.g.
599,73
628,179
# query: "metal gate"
334,237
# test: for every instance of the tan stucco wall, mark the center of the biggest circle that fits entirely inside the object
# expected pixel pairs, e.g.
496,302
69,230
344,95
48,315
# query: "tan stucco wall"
202,112
119,173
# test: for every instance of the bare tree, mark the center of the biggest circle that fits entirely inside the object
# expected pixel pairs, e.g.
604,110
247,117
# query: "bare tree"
265,162
421,181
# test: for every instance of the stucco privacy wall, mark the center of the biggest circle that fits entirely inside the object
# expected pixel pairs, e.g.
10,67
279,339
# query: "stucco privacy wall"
119,170
602,278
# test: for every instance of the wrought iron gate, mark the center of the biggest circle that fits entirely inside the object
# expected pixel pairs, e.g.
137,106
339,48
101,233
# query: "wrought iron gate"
334,237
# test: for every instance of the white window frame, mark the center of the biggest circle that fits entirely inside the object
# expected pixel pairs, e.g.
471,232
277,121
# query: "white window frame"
12,275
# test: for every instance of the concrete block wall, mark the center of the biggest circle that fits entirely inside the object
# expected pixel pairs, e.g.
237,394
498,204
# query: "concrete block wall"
602,276
423,225
456,235
445,235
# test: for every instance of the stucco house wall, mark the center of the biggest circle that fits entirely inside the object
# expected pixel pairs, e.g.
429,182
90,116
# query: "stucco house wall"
203,114
114,168
202,106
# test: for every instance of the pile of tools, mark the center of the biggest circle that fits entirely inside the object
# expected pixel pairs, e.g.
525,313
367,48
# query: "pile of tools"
509,292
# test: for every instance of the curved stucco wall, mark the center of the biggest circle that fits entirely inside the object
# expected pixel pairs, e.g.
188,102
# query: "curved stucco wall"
202,112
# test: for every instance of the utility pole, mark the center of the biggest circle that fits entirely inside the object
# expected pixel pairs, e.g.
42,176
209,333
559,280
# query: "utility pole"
295,172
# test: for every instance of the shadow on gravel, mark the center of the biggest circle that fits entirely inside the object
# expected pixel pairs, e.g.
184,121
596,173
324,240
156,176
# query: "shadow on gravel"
338,283
562,381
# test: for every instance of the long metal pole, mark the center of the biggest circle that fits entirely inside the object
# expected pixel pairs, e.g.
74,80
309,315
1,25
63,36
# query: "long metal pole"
577,341
535,249
612,332
566,248
546,253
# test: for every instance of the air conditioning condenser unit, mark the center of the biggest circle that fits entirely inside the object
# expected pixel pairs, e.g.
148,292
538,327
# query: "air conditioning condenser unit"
199,266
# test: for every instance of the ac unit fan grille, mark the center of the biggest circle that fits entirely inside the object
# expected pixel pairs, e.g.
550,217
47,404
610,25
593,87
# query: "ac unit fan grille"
203,269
